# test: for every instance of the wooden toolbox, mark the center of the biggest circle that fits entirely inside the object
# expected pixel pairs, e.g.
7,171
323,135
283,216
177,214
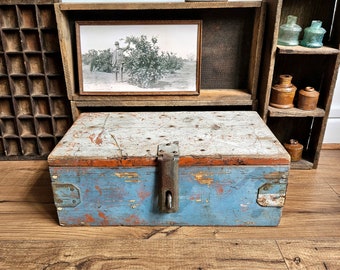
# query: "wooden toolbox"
169,168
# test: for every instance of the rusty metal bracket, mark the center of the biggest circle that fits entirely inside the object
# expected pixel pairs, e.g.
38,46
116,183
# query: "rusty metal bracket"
272,195
168,156
65,195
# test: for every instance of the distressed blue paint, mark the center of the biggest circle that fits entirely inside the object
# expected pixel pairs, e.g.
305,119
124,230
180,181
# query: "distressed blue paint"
214,195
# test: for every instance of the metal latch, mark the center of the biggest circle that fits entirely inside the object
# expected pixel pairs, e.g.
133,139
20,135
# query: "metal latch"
168,156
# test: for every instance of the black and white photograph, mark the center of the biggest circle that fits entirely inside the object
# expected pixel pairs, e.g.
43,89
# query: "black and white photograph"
139,57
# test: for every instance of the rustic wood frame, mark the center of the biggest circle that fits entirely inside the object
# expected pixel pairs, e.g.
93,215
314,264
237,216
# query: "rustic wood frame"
236,84
94,35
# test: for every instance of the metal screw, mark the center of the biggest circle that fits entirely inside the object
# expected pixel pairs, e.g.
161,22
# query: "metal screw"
297,260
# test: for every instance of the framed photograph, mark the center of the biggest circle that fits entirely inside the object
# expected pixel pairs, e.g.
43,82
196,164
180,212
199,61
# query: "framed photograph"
139,57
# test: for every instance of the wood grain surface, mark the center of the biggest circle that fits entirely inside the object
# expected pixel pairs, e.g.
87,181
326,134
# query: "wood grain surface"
143,254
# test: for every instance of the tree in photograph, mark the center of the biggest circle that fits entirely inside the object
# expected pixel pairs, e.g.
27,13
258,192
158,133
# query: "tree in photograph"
89,58
98,60
146,64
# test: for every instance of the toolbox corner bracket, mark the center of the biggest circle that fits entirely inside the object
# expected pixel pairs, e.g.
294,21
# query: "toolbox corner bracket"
65,195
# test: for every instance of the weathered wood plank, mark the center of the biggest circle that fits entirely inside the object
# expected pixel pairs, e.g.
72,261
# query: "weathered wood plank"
64,34
205,138
295,112
220,97
273,21
305,50
257,43
311,254
169,5
30,182
141,254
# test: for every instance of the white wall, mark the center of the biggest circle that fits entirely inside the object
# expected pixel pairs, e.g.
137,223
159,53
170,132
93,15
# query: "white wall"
332,134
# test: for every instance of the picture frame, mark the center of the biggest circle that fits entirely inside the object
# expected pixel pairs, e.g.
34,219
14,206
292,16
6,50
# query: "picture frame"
144,57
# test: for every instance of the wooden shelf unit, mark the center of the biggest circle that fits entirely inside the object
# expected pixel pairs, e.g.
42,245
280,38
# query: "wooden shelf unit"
309,67
34,110
231,51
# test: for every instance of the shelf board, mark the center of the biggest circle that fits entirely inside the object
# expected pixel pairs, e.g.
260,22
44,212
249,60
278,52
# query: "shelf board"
303,50
301,165
295,112
212,97
153,6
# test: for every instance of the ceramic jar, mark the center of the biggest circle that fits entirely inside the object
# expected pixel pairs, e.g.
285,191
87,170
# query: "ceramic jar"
289,32
294,148
308,99
282,94
313,35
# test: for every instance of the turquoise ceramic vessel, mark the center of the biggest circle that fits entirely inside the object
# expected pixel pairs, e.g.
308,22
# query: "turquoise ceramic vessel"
313,35
289,32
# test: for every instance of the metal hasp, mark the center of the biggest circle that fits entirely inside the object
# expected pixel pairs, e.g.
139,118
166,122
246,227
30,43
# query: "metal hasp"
167,158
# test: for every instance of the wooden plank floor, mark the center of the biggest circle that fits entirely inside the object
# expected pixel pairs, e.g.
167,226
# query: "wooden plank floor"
308,236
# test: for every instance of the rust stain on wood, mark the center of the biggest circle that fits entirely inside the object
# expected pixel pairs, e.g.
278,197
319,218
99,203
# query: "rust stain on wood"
97,139
104,217
89,218
196,197
99,190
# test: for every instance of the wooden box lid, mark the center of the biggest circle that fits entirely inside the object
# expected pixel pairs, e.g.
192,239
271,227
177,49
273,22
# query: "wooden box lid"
129,139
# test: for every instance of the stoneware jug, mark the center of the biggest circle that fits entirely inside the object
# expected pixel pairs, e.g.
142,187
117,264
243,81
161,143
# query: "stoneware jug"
294,148
308,99
282,94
